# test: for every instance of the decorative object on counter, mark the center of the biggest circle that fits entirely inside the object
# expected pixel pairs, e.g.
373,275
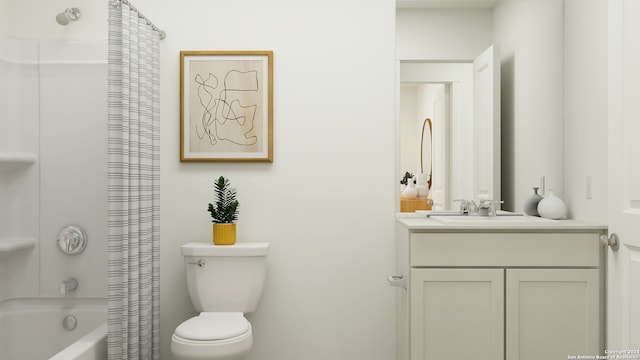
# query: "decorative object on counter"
411,205
410,192
552,207
531,205
224,213
405,178
422,185
403,182
426,150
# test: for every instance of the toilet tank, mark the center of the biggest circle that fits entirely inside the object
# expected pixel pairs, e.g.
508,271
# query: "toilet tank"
225,278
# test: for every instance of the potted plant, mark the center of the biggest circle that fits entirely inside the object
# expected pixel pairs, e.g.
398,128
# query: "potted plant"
405,178
224,212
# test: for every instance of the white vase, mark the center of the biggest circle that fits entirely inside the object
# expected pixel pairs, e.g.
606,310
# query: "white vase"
410,192
552,207
531,205
423,191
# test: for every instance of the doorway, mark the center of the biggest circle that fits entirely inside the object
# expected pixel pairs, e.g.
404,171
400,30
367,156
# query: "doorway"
442,92
425,150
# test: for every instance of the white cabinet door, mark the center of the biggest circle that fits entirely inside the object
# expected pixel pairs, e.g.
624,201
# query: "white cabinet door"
623,265
457,314
552,313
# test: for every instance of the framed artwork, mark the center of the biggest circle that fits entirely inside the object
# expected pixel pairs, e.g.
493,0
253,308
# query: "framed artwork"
226,106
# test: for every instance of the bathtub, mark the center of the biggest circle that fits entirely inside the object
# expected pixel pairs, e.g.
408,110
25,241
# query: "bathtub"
33,329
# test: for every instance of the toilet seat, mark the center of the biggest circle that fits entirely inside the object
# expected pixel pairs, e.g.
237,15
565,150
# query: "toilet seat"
211,326
232,333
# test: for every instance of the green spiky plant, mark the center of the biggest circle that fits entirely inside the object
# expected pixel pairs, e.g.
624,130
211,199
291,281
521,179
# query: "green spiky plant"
405,178
225,210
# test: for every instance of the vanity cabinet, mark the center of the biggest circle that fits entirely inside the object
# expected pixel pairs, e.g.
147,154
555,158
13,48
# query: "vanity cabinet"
496,293
457,314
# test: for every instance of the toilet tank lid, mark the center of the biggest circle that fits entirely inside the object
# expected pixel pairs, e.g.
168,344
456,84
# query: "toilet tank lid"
238,249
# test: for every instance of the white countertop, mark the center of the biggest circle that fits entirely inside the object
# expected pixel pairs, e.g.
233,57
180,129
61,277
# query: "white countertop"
423,223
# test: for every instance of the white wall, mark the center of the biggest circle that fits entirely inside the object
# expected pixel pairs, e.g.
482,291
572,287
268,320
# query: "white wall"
36,19
585,108
529,33
325,203
442,34
4,17
409,132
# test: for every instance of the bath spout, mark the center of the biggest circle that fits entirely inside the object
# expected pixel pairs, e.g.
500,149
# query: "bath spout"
68,285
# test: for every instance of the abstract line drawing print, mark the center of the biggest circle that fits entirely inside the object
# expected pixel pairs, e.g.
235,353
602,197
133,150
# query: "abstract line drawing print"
227,115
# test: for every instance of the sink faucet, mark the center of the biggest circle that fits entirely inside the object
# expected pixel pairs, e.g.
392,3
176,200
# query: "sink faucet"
68,285
488,207
467,206
484,207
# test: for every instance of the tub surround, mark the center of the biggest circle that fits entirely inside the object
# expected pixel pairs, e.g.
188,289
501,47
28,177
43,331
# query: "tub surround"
12,244
45,183
535,289
92,346
19,169
26,322
51,104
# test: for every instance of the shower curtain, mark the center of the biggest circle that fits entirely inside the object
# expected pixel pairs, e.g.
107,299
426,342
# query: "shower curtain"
133,186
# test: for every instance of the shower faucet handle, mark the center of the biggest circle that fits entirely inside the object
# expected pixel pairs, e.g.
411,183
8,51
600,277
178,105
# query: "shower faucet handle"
68,285
72,239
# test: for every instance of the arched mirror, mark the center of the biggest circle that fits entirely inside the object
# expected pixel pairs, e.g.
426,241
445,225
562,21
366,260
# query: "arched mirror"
426,151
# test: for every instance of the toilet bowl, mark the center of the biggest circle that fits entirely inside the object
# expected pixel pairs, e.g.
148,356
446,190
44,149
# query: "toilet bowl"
224,283
212,336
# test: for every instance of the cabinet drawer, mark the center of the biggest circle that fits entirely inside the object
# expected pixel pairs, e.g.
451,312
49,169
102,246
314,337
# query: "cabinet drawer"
505,249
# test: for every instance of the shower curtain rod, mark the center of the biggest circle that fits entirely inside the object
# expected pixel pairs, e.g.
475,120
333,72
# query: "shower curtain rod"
117,3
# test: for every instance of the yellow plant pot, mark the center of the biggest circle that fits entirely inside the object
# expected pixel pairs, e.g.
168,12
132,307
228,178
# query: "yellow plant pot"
224,234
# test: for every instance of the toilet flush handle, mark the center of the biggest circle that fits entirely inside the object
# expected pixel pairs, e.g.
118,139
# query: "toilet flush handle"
200,263
397,280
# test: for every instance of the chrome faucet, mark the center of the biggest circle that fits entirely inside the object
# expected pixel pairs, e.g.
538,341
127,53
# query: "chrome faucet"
482,208
68,285
467,206
488,207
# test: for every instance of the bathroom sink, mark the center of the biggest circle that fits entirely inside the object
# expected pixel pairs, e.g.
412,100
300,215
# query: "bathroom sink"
429,213
457,213
493,220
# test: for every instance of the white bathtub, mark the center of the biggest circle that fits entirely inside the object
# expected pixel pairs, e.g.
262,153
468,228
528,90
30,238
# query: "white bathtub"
32,329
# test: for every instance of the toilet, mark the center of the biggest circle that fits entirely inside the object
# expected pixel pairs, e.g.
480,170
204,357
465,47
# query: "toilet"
224,282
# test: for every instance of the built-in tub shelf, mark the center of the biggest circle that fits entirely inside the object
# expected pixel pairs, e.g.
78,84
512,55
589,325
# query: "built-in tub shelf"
10,160
12,244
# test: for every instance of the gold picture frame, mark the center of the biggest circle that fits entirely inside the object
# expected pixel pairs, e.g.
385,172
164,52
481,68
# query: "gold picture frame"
226,106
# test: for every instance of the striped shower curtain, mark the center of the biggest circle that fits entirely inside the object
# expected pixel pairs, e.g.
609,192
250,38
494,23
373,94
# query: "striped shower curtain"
133,193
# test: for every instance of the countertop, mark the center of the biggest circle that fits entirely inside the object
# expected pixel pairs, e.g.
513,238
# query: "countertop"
422,223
